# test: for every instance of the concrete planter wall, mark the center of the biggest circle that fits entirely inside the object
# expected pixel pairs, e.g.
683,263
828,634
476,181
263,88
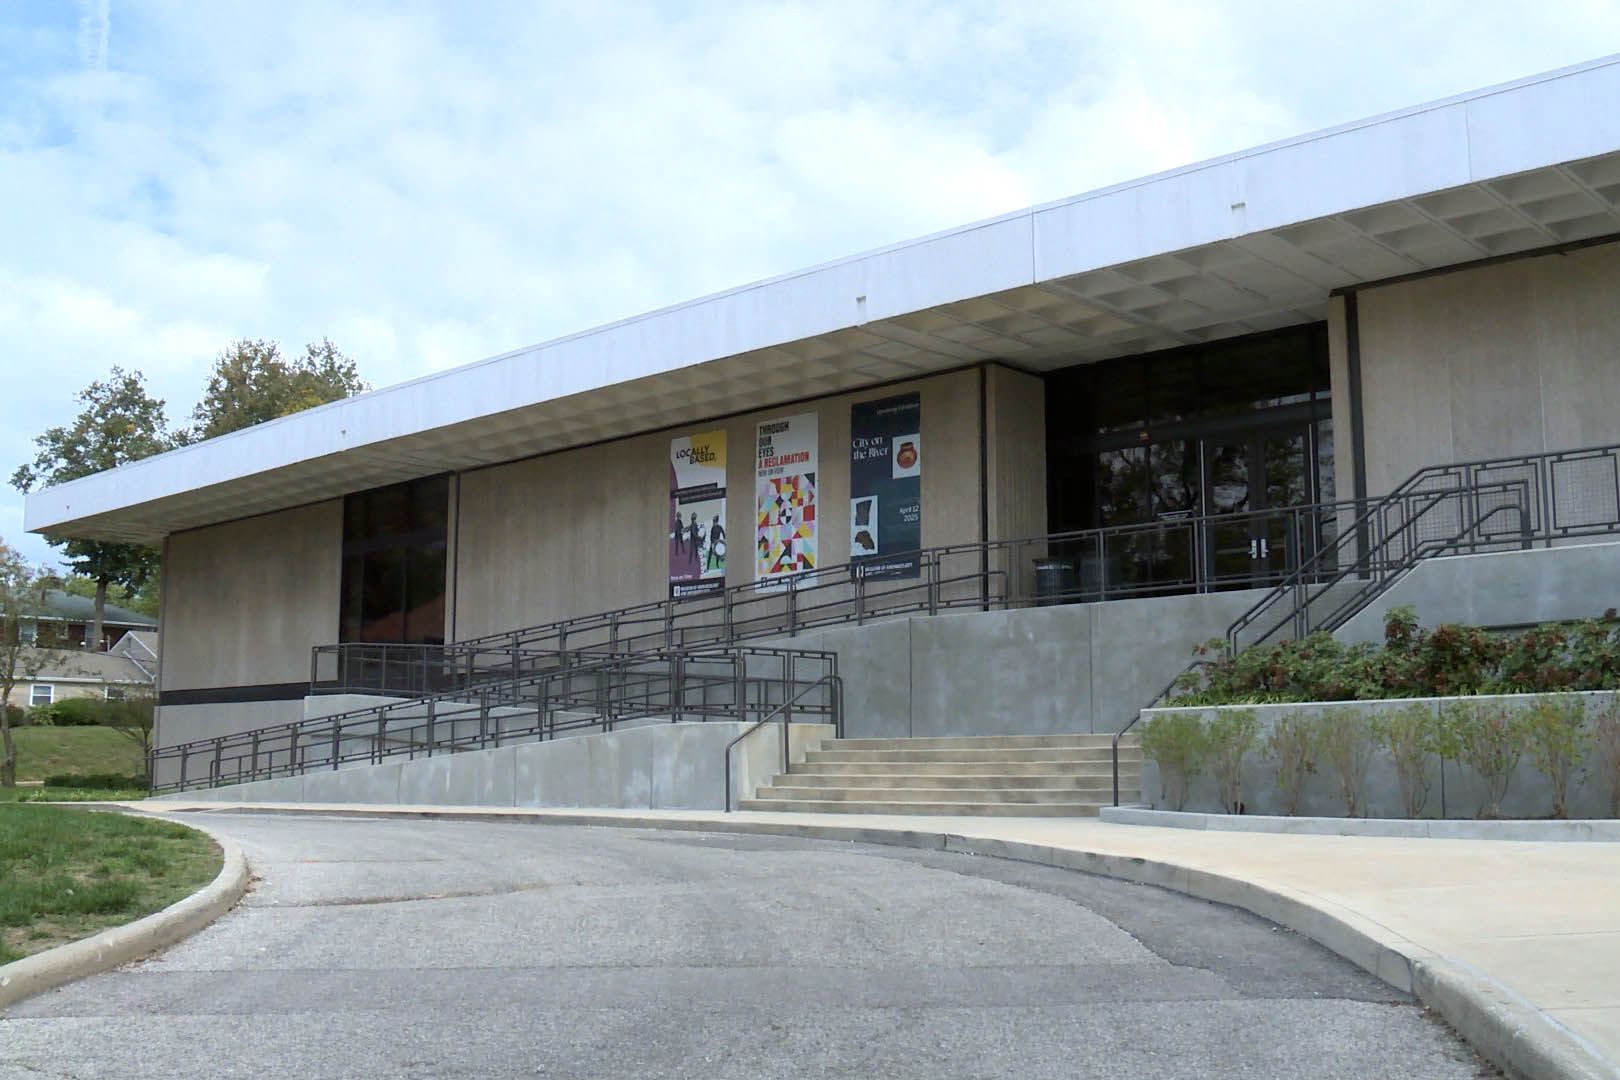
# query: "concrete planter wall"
1529,795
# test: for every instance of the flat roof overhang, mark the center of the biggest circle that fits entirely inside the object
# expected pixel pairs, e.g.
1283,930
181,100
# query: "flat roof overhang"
1253,241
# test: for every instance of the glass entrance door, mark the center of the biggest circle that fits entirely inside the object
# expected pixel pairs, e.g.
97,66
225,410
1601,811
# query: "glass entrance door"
1250,475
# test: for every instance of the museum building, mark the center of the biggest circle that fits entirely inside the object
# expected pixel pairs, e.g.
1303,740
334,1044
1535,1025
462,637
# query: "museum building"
1092,433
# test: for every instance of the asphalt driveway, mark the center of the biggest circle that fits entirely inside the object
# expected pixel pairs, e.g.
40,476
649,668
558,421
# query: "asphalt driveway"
414,948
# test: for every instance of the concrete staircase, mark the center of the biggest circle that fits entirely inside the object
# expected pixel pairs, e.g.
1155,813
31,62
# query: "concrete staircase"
987,775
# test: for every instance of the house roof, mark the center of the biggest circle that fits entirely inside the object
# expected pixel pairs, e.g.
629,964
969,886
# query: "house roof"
141,644
70,607
1247,242
70,665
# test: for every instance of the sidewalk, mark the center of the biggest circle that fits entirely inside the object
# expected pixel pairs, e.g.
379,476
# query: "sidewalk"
1517,944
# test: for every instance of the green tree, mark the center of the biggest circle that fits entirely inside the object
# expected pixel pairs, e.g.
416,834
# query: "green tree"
22,597
120,423
252,382
143,600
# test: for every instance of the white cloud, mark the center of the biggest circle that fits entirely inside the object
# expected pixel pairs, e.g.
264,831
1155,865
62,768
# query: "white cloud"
430,183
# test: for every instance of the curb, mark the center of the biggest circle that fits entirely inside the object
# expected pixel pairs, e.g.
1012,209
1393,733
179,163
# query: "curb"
120,944
1508,1030
1571,831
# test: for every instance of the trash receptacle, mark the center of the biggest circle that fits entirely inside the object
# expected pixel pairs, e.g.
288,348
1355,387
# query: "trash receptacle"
1055,582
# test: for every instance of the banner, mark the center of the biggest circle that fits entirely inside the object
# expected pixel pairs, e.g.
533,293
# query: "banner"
697,514
885,486
785,497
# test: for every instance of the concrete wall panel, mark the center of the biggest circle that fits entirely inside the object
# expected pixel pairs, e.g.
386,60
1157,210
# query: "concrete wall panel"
244,602
1512,358
1015,418
184,723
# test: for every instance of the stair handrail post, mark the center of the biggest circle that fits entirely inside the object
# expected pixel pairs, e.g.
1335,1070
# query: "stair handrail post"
382,734
432,717
678,688
933,583
336,727
253,761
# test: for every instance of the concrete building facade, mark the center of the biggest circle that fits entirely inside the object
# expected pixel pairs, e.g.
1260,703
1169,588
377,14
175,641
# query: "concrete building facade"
1298,325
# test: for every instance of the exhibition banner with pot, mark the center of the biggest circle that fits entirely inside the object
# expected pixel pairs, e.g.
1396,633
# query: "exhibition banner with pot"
785,498
885,486
697,514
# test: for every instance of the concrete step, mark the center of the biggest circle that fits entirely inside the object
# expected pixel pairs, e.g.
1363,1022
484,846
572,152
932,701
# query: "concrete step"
979,742
1057,754
957,768
964,809
1026,796
963,779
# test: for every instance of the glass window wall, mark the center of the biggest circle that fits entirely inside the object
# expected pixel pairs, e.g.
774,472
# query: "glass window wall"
394,548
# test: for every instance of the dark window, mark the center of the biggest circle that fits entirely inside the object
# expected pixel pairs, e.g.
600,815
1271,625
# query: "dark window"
394,544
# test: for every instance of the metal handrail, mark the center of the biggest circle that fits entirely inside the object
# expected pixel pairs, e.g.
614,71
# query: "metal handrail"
785,712
1385,569
608,690
991,575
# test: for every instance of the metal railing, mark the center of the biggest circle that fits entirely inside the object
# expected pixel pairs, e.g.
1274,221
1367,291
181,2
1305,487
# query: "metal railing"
782,714
1180,554
739,684
1498,504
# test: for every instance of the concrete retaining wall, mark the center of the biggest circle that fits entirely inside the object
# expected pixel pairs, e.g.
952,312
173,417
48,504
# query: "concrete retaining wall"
656,766
1077,668
1512,588
1529,795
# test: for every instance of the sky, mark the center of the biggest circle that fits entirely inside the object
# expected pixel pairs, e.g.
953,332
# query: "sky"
430,183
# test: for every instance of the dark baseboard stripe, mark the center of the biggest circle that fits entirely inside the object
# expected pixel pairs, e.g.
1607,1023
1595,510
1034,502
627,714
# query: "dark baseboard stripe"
231,695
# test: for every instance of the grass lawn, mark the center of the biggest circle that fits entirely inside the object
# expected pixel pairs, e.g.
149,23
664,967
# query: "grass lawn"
51,751
67,873
69,794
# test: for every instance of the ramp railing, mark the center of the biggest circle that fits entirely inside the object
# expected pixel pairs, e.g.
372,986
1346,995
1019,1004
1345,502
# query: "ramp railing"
740,684
1179,553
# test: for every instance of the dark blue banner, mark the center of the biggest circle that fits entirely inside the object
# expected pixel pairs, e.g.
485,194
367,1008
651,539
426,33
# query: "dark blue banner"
885,486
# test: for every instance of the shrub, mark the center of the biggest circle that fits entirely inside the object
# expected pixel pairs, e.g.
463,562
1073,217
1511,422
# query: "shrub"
1490,740
69,712
16,717
1555,738
1179,744
1292,745
1454,659
1231,735
96,781
1345,736
1410,736
1606,751
1411,662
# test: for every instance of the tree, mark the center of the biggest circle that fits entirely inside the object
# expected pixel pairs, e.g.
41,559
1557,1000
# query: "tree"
144,600
252,382
120,423
132,718
22,597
